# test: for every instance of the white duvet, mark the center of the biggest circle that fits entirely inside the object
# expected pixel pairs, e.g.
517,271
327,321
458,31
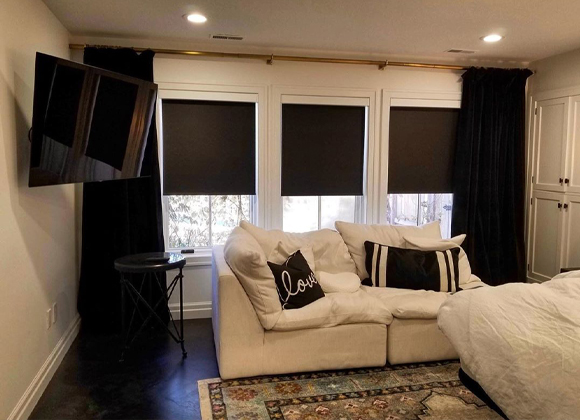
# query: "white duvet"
521,343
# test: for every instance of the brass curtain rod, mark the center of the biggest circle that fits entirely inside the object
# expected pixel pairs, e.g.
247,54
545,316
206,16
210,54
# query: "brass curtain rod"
270,58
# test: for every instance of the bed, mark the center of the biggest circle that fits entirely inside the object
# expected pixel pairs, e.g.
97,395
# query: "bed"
521,344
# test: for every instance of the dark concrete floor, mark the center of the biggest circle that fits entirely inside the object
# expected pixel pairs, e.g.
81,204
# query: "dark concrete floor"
153,382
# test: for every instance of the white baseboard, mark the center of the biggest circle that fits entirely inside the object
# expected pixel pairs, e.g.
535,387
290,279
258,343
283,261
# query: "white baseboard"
194,310
34,391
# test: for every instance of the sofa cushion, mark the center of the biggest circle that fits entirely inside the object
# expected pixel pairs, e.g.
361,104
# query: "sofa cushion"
340,347
248,262
415,304
296,284
418,242
269,239
416,341
336,309
330,252
283,251
408,304
355,235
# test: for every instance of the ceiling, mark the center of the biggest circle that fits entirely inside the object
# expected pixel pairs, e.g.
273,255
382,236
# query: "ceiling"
533,29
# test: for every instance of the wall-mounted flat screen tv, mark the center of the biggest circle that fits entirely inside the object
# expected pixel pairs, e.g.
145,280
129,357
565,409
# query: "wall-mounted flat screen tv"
88,124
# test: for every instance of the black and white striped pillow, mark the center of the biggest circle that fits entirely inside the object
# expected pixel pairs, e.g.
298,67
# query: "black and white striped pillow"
412,269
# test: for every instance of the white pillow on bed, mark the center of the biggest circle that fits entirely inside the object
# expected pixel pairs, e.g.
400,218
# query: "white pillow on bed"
426,244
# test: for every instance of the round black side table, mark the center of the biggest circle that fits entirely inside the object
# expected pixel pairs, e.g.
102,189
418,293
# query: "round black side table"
149,264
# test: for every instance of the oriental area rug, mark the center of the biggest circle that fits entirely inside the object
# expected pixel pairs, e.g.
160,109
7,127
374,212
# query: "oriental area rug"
417,391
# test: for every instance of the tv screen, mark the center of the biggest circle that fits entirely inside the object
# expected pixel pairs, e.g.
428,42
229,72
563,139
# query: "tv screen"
88,124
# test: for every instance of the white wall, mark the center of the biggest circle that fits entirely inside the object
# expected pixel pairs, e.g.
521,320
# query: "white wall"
181,69
38,254
557,72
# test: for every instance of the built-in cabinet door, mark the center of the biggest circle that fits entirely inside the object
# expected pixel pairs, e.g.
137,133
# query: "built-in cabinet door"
550,138
572,174
571,248
545,235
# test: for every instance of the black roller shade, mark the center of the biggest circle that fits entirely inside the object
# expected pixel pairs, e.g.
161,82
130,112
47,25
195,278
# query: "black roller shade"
322,150
209,147
422,149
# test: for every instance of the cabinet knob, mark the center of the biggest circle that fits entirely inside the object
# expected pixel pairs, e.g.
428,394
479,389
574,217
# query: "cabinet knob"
565,206
561,180
566,181
559,205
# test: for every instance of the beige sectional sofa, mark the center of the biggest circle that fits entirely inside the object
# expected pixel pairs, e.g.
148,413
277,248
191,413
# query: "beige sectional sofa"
254,336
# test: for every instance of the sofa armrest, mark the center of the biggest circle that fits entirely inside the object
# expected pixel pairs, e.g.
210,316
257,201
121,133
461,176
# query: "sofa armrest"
238,334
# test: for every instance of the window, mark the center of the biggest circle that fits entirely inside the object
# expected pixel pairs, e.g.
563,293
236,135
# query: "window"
200,221
305,213
323,164
420,170
209,150
418,209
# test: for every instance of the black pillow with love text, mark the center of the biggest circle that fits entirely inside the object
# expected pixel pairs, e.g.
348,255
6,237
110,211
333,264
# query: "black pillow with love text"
297,286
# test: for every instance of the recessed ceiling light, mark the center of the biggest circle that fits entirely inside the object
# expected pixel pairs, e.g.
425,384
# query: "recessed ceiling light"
196,18
492,38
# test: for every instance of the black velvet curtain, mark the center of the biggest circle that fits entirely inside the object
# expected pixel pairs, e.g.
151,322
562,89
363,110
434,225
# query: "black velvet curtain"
489,175
120,217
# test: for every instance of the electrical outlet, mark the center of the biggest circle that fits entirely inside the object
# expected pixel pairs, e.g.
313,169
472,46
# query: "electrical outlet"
54,313
48,318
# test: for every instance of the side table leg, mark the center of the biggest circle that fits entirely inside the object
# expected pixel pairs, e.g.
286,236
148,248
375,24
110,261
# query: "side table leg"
181,312
123,321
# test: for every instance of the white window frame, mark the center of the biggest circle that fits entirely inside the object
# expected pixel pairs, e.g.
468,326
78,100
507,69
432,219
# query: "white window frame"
192,91
365,209
404,99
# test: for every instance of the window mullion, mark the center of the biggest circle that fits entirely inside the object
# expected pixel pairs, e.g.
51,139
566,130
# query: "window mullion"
210,218
418,209
359,209
253,206
319,212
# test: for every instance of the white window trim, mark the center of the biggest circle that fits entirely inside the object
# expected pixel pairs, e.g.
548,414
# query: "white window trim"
407,99
193,91
320,96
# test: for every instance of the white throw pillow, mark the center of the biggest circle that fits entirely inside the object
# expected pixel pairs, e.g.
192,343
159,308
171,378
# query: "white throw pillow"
355,235
338,283
248,262
283,251
426,244
330,252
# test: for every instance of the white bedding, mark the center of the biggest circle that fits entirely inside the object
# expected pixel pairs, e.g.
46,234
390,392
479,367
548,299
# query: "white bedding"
521,343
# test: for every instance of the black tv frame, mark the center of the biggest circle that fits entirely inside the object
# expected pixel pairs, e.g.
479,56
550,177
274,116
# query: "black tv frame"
76,165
